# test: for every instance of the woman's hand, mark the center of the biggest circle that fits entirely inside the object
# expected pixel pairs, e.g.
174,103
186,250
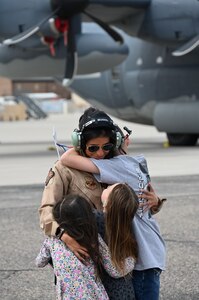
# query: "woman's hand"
80,252
152,200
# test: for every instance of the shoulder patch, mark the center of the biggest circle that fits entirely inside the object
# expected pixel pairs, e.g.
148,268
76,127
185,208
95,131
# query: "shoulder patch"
90,183
50,175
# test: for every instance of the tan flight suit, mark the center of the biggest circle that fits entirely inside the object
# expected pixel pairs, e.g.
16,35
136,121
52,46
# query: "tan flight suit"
60,182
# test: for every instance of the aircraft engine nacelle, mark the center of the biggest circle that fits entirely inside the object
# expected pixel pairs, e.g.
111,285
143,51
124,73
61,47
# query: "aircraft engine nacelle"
96,52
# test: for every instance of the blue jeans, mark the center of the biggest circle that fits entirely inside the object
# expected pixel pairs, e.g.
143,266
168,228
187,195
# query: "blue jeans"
146,284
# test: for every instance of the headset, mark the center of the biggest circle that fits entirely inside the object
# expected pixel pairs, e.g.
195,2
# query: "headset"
77,135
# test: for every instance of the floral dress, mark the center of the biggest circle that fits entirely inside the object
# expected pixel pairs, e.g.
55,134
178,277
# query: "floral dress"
74,279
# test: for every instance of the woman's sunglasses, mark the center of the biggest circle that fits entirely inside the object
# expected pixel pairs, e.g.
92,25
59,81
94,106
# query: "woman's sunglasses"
95,148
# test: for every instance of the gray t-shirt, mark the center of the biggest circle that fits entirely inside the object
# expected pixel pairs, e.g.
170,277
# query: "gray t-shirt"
134,171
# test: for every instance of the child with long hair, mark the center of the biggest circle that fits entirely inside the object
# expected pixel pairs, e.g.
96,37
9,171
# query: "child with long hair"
120,204
74,280
75,217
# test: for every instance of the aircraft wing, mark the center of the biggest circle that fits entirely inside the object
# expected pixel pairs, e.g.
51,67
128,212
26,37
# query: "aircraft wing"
117,10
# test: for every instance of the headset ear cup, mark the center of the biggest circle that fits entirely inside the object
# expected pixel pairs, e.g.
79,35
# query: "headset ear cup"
76,139
119,139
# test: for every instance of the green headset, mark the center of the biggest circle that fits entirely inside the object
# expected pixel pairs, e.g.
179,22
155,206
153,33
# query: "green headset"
77,135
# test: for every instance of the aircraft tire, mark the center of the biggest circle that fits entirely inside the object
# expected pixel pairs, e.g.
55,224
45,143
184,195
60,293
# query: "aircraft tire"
180,139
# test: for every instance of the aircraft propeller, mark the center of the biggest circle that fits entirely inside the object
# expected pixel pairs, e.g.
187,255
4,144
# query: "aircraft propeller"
187,47
65,10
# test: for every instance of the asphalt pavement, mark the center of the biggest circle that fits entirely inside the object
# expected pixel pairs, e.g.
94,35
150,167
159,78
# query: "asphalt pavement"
26,154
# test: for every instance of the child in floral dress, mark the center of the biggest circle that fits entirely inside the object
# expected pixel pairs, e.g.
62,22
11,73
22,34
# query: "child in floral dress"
76,280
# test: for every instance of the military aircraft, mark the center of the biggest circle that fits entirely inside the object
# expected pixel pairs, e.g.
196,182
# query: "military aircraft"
156,85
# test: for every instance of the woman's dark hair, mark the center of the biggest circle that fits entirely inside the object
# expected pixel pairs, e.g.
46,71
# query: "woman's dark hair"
121,207
87,116
74,214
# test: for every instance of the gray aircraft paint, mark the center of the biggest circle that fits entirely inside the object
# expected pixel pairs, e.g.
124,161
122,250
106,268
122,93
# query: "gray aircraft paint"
157,82
132,91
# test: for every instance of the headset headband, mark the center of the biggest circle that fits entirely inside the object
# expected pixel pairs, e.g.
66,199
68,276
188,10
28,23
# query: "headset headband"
99,123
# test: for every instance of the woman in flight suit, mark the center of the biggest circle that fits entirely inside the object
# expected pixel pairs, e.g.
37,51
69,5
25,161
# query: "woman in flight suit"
95,127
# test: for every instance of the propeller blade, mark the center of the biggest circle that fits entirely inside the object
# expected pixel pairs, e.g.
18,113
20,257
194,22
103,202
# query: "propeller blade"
71,55
29,32
21,37
187,48
113,33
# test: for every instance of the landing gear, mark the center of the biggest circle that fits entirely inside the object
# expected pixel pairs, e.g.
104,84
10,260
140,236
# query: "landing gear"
180,139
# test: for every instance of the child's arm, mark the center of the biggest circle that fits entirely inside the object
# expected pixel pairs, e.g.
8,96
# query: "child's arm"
108,265
72,159
44,256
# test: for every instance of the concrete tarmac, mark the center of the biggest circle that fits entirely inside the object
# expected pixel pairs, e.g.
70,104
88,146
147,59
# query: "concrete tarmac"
25,158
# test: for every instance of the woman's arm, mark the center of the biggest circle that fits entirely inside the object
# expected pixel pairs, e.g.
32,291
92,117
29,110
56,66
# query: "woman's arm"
72,159
108,265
